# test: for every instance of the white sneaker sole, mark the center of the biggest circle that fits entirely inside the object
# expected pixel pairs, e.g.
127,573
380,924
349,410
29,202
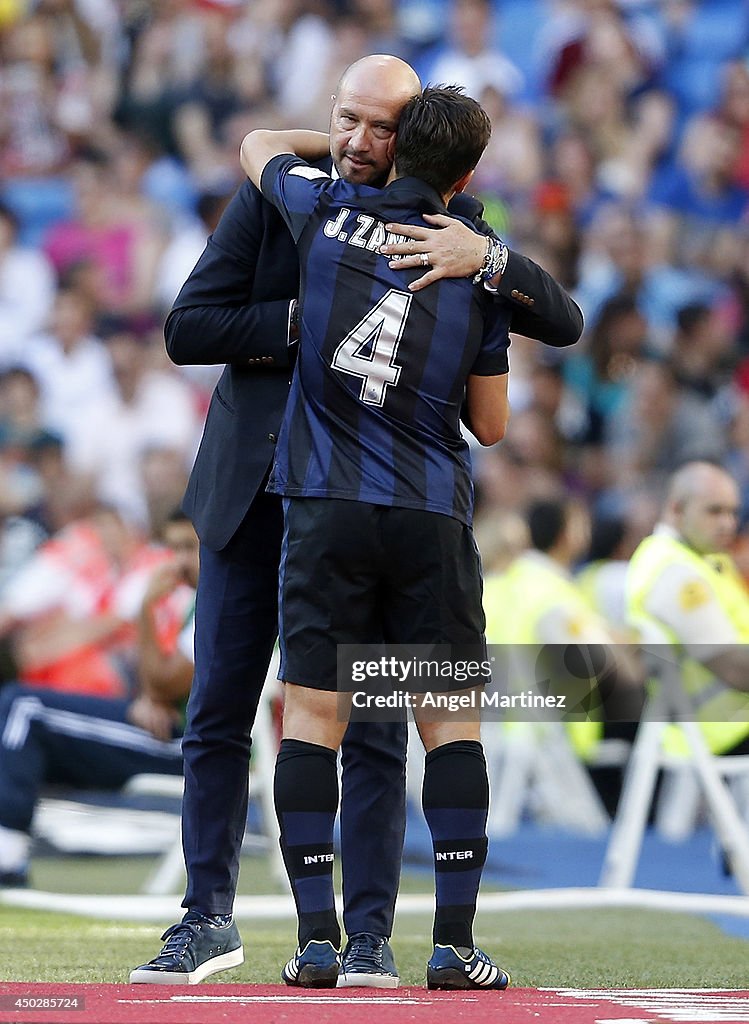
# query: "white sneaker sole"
368,981
224,962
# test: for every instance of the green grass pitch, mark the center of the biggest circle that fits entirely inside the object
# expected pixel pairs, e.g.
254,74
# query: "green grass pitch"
587,949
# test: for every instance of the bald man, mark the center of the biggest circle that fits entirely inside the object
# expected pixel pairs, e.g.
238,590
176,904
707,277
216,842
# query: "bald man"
239,307
682,581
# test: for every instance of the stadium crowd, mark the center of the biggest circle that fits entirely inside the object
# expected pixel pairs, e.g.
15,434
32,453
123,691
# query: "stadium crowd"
619,161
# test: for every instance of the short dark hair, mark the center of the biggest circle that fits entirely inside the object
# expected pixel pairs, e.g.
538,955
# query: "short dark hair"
441,136
606,534
546,520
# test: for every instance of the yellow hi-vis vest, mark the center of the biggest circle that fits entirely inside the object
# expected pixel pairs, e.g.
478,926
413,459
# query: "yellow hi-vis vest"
723,713
516,601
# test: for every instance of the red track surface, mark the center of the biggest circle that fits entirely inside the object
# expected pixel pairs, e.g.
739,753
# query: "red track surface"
276,1004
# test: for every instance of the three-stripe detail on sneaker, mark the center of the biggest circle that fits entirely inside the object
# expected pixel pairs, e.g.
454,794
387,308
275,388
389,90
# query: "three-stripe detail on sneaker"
291,970
483,974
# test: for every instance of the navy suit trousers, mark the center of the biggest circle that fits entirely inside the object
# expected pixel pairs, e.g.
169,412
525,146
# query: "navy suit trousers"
236,622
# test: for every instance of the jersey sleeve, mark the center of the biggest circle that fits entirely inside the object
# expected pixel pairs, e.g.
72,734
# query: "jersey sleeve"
492,359
294,187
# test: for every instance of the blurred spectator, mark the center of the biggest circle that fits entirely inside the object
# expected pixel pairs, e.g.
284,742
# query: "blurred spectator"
19,539
528,465
704,355
71,608
20,412
601,34
684,593
21,485
602,376
184,249
556,402
558,231
206,107
164,474
26,290
22,435
573,173
94,742
72,366
602,577
147,408
734,110
512,164
470,57
33,142
658,427
382,25
58,81
165,56
502,537
119,242
624,252
702,185
37,482
626,169
303,63
536,607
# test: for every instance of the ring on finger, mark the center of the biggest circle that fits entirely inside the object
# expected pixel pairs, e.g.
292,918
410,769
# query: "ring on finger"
424,258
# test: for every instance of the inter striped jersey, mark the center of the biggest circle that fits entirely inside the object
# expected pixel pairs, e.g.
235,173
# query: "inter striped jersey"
374,408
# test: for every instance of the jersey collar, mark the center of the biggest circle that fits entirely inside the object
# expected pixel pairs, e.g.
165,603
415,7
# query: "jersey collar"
404,194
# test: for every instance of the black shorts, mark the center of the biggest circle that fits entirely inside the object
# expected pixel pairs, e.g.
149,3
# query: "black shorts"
357,573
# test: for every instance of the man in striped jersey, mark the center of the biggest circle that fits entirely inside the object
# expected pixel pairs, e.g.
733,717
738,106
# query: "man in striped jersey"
98,742
378,510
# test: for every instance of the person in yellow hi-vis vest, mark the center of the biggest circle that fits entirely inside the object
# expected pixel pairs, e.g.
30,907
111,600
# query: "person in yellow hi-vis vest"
536,602
681,580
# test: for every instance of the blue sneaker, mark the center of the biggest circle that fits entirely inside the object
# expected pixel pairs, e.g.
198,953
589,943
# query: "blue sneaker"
194,949
450,969
316,966
368,962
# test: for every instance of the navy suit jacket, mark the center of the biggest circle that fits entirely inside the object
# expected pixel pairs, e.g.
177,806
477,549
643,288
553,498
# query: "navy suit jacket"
234,309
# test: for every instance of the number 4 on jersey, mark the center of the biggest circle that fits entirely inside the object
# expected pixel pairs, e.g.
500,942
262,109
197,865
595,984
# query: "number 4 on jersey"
369,350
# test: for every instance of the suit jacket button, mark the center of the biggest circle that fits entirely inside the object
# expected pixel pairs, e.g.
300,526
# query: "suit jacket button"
272,437
531,302
515,293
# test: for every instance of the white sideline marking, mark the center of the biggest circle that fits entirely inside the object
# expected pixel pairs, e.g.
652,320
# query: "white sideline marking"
623,1020
323,1000
682,1006
164,908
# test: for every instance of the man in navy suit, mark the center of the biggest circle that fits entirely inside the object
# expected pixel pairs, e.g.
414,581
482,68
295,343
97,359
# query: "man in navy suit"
238,307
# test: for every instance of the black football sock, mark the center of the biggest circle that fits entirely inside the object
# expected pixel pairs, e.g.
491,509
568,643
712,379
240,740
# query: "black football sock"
306,798
455,798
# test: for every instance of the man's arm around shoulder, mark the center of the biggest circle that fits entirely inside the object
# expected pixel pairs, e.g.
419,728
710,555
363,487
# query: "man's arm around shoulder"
540,308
